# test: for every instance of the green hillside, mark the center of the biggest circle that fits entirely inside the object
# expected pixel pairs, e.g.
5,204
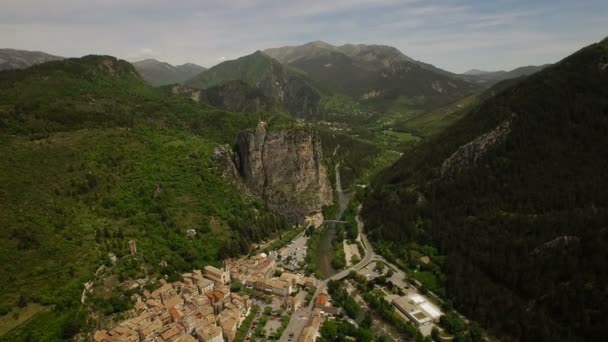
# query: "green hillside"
250,69
519,222
293,92
92,158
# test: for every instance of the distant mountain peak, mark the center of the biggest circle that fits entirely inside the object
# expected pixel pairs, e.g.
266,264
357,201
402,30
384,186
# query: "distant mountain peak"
162,73
476,72
108,64
20,59
191,65
148,60
320,44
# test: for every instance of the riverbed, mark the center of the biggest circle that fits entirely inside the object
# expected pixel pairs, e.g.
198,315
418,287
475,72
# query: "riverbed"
325,249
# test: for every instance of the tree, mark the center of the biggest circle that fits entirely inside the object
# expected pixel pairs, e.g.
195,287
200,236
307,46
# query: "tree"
435,334
452,323
236,286
22,302
329,330
475,332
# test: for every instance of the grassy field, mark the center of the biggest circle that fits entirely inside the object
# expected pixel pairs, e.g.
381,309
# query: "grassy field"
427,279
18,316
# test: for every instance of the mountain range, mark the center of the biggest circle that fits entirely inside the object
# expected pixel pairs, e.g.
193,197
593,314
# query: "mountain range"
160,73
491,77
374,74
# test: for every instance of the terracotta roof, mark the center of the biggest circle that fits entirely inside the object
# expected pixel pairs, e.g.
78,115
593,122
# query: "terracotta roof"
215,296
322,299
174,314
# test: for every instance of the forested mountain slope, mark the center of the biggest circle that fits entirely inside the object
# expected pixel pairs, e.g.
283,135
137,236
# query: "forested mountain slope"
513,195
274,80
93,157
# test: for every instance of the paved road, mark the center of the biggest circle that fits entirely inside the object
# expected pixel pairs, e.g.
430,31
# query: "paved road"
298,320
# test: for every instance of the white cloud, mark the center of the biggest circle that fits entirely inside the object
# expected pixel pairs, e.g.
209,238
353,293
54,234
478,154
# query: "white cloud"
143,53
454,34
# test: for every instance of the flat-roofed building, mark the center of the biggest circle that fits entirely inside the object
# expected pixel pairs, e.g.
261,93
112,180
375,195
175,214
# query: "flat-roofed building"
431,310
417,309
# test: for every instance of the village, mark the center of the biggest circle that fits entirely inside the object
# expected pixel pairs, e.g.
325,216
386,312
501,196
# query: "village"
262,297
202,306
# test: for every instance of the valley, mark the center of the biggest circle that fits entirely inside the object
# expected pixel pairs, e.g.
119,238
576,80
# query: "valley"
313,192
325,248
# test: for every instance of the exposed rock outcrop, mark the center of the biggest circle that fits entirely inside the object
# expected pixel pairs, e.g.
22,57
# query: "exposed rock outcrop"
224,155
467,155
286,169
229,164
232,96
561,244
192,93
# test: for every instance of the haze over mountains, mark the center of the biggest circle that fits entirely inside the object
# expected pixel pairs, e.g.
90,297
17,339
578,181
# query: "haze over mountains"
491,77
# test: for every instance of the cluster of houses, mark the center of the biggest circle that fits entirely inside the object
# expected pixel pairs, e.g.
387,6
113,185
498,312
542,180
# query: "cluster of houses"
201,307
198,308
257,272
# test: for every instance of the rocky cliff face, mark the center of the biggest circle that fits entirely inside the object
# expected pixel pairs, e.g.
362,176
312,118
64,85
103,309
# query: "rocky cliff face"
286,169
467,155
232,96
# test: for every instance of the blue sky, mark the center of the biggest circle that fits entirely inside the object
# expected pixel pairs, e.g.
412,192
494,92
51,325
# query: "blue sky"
456,35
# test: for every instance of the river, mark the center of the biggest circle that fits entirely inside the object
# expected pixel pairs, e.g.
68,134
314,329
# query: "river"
325,251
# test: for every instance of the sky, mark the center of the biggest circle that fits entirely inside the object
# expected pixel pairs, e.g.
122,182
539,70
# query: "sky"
456,35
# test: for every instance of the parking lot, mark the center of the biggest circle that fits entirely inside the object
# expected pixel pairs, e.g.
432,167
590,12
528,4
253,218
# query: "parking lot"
294,253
